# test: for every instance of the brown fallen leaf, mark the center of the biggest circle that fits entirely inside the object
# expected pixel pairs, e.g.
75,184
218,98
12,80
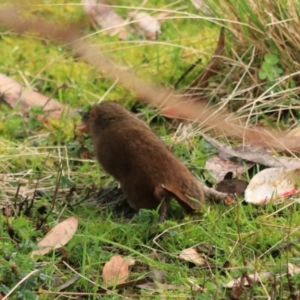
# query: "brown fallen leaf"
57,237
104,15
15,94
115,271
219,167
248,280
158,276
147,23
191,255
259,156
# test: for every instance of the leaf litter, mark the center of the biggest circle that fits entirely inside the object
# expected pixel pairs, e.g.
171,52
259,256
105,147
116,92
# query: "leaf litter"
57,237
104,15
147,23
116,270
258,277
191,255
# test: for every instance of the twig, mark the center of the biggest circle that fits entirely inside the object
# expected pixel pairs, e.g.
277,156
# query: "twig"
187,71
18,284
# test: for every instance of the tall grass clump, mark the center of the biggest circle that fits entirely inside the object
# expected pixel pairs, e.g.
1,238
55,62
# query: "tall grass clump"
262,55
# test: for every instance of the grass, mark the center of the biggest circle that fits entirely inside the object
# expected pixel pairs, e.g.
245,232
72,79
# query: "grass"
37,158
260,76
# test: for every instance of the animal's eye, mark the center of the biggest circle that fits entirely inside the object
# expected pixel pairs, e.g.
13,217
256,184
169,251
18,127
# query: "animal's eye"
85,116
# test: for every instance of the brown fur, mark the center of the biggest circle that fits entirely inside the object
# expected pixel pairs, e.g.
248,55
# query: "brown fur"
148,172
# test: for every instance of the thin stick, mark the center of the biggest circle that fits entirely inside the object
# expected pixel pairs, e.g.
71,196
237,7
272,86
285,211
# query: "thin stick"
18,284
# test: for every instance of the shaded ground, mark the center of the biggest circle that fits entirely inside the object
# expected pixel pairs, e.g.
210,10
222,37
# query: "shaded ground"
112,198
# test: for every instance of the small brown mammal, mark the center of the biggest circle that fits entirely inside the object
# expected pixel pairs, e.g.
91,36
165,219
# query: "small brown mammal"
148,172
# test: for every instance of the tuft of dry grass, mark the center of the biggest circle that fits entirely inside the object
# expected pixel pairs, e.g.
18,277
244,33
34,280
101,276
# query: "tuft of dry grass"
255,31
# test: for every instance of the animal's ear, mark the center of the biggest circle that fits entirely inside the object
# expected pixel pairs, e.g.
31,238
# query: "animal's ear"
184,200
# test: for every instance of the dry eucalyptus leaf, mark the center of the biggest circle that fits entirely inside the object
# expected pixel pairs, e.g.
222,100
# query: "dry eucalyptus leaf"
103,15
57,237
255,154
219,167
115,271
147,23
191,255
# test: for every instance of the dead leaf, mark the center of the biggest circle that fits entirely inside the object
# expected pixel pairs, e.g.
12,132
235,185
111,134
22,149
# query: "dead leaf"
147,23
293,269
256,155
115,271
57,237
130,261
158,276
15,94
247,280
191,255
219,167
104,15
